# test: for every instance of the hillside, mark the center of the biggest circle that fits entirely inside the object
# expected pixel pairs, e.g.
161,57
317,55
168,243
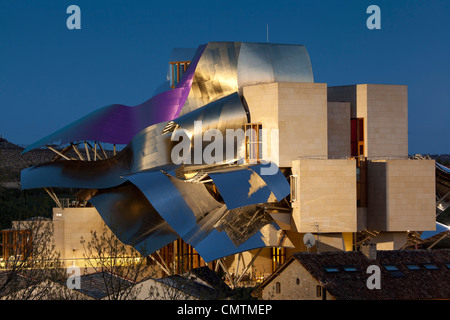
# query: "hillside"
12,162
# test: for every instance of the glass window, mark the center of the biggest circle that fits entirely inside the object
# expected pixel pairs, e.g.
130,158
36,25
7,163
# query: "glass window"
331,269
351,268
413,267
278,287
253,142
431,266
391,268
318,291
394,270
293,183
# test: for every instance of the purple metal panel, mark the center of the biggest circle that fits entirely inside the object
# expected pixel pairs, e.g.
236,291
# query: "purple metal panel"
118,124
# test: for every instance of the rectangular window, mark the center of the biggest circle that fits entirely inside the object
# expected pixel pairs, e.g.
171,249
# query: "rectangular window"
293,183
331,269
350,268
431,266
278,257
318,291
253,142
413,267
394,271
391,268
177,70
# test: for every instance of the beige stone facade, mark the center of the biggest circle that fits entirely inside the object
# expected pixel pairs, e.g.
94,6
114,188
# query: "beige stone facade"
70,226
315,135
326,195
339,129
298,111
294,283
401,195
384,109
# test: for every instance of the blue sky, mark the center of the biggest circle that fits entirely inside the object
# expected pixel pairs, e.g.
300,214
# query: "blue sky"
51,76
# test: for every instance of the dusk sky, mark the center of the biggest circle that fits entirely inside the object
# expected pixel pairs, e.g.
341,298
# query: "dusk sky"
51,76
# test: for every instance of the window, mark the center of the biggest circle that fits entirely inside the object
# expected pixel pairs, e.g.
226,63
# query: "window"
293,183
253,142
447,265
318,291
177,70
413,267
278,257
391,268
278,287
394,270
357,137
331,269
430,266
350,268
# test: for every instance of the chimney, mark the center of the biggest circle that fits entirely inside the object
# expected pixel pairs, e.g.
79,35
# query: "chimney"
369,250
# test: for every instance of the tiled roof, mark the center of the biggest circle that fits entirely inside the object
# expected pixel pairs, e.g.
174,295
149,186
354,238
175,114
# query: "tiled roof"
399,283
98,285
202,283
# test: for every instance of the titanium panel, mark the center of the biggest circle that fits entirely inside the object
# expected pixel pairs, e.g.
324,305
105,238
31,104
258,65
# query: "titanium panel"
262,63
218,245
217,119
149,149
133,219
149,208
199,219
215,76
78,174
245,186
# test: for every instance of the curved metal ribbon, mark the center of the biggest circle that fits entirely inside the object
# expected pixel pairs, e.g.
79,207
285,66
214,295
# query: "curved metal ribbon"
144,196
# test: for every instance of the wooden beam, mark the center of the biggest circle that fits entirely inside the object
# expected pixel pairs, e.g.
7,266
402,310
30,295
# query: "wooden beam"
104,153
77,152
87,151
52,194
59,153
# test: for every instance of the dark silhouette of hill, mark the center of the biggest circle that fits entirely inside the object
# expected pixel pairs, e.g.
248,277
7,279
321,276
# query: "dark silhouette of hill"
12,162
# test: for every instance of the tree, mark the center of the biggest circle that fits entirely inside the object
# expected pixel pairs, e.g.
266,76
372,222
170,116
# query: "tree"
33,268
120,266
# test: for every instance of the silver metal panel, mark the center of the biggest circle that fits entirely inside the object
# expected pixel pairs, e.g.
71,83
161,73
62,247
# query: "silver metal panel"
78,174
266,63
149,149
246,186
218,245
274,178
196,217
227,67
215,75
224,114
149,201
129,215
